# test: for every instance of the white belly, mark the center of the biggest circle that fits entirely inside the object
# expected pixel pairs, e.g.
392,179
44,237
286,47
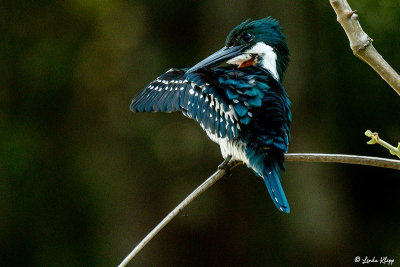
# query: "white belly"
236,149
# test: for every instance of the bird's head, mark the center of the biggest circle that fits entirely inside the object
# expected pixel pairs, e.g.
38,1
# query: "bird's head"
253,43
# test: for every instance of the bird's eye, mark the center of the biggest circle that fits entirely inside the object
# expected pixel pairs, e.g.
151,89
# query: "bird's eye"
247,37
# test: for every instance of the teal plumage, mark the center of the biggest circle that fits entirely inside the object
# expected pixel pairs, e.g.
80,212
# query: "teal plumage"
244,107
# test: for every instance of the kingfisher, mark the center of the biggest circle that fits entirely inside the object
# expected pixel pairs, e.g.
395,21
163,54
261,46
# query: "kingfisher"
241,105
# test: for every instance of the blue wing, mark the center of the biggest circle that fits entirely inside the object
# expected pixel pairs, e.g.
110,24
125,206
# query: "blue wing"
162,94
196,95
277,140
267,132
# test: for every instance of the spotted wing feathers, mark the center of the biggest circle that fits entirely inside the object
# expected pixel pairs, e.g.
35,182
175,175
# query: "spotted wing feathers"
162,94
195,96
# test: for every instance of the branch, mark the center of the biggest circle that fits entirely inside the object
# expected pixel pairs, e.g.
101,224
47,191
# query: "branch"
334,158
376,140
221,172
347,159
361,43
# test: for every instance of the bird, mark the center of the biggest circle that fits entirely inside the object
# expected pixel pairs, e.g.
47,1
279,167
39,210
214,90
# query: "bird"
237,97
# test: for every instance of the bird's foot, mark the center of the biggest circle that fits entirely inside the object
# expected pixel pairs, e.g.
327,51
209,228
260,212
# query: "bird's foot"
224,164
229,164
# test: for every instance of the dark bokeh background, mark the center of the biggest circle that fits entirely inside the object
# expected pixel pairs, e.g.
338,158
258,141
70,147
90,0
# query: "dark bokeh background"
82,179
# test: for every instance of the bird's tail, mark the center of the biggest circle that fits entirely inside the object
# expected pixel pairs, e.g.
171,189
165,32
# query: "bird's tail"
271,173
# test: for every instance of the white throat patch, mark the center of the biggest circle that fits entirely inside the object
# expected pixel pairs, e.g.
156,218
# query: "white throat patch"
267,54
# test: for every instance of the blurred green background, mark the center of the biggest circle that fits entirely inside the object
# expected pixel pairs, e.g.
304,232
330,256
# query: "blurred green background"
83,180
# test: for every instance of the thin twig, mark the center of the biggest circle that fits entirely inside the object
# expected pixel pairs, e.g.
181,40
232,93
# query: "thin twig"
376,140
361,43
311,157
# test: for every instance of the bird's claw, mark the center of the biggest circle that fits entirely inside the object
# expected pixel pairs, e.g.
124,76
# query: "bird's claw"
224,164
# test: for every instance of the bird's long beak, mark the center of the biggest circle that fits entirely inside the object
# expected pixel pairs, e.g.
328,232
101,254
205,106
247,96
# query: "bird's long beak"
218,57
